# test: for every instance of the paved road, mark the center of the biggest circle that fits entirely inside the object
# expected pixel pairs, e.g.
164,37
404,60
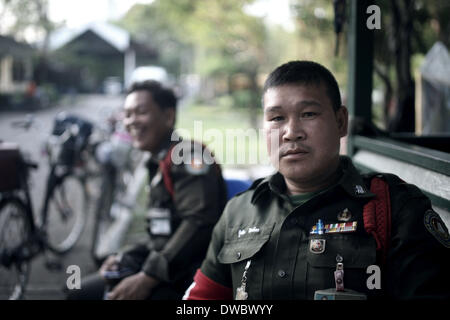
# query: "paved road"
45,284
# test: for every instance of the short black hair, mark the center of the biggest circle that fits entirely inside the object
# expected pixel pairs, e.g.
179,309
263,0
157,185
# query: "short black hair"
305,73
164,97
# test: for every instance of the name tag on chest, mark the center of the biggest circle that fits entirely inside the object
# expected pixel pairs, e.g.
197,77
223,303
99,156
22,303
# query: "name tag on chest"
159,221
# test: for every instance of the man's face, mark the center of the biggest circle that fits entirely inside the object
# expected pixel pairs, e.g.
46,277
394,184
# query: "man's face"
301,119
147,123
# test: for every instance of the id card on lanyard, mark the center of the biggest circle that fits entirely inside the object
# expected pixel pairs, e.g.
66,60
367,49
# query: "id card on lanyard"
159,221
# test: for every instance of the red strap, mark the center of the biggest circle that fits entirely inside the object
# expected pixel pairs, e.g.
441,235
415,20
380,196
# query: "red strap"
204,288
377,215
164,166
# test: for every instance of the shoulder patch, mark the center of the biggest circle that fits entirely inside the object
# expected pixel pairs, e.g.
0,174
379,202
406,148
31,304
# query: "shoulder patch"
197,166
437,227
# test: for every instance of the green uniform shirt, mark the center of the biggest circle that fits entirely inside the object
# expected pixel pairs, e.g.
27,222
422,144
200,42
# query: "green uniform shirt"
299,199
180,227
261,225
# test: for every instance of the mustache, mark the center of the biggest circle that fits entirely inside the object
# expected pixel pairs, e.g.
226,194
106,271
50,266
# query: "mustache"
292,148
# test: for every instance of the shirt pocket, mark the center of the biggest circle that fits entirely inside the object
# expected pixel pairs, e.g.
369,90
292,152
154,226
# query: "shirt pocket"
236,251
357,252
240,247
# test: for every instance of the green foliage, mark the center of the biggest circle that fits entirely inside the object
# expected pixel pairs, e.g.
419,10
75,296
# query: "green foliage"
224,36
430,23
221,119
317,39
281,46
215,39
25,14
152,24
244,98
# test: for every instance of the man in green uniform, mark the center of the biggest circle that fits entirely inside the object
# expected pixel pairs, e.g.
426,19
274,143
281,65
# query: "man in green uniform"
303,233
187,196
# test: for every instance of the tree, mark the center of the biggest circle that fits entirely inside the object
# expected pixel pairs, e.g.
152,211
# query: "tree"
23,16
214,38
408,27
151,24
26,16
316,37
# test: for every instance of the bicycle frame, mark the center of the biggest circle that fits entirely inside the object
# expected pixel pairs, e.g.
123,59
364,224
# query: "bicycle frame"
23,196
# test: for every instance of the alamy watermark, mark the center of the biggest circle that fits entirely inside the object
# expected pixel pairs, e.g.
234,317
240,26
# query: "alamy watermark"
74,280
374,280
229,146
374,20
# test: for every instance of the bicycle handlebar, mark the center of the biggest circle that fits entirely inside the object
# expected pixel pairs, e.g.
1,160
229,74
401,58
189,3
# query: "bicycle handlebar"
31,164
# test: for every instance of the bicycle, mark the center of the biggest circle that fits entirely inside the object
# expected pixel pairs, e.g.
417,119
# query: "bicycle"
66,197
64,209
19,236
115,156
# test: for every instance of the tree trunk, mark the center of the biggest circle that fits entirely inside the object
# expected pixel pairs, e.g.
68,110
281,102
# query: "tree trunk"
388,91
403,120
255,101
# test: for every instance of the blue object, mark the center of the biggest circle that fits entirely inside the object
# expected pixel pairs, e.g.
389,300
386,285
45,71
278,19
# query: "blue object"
234,186
320,227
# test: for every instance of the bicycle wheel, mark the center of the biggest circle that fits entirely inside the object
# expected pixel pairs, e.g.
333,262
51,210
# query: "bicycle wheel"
65,218
15,240
103,217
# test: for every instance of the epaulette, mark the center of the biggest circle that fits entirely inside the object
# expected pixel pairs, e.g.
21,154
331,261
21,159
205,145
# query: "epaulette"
255,183
395,182
258,187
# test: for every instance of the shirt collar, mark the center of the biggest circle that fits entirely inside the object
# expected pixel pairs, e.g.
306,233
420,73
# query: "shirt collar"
274,183
171,139
351,181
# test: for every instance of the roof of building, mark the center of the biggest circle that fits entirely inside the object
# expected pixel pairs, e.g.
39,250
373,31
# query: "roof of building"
114,35
8,45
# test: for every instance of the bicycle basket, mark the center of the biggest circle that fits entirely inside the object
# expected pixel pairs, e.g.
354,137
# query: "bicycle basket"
67,152
10,166
63,121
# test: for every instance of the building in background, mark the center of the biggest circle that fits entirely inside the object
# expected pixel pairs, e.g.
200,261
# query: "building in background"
16,72
98,52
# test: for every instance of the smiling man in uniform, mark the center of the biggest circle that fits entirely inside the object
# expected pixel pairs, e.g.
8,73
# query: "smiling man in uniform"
186,199
308,231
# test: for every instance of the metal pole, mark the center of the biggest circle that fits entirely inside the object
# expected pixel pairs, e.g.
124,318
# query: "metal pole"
360,65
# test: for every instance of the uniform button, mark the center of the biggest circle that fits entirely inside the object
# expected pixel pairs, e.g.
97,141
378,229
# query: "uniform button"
238,255
281,273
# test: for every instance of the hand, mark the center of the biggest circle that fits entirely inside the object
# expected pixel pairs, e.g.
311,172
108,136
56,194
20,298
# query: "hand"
136,287
111,264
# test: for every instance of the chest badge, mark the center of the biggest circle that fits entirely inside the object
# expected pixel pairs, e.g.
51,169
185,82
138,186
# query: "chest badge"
241,294
342,227
344,216
437,227
359,189
317,246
